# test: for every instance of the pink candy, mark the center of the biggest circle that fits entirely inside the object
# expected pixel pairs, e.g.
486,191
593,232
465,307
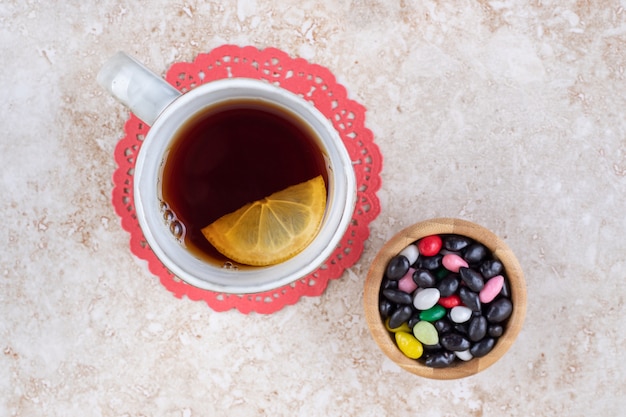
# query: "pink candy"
491,289
406,283
453,262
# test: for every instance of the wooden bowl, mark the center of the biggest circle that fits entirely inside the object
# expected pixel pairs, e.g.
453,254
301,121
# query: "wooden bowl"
500,251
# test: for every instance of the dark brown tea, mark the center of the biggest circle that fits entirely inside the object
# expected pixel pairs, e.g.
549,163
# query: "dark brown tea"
233,154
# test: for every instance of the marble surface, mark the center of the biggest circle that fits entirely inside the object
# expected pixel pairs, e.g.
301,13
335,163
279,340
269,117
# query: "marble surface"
507,113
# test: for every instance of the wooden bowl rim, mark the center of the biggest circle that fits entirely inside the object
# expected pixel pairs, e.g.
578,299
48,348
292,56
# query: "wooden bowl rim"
440,226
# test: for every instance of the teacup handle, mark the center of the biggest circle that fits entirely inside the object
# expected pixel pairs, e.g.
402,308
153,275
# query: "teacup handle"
142,91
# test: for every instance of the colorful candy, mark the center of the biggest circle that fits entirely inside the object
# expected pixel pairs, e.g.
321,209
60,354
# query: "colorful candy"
450,301
425,298
409,345
411,253
426,333
445,298
406,283
464,355
460,314
453,262
433,314
491,289
429,246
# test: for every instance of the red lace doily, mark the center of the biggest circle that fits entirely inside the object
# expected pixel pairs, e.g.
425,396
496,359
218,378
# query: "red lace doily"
316,84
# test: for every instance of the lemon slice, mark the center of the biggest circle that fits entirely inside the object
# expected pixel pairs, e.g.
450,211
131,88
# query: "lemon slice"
271,230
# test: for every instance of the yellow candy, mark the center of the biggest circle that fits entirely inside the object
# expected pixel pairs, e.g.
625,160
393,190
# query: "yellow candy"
404,327
409,345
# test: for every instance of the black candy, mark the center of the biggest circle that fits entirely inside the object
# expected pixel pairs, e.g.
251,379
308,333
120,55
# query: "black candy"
491,268
475,253
443,326
397,267
470,299
432,348
480,349
454,342
477,328
413,320
499,310
388,284
495,330
430,262
385,307
461,328
424,278
397,296
473,279
455,243
506,289
440,360
399,316
448,285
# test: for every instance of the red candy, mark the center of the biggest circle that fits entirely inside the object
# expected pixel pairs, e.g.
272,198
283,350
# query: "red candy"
451,301
429,245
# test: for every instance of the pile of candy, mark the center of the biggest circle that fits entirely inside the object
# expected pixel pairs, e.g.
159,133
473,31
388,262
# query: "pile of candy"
445,297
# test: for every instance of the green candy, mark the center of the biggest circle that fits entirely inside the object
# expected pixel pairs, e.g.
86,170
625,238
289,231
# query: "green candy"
433,314
441,273
425,332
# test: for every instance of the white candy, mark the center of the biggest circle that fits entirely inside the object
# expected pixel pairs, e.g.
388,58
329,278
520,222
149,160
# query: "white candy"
411,253
426,298
464,355
460,314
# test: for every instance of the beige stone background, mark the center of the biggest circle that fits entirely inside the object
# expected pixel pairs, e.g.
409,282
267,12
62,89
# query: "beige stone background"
507,113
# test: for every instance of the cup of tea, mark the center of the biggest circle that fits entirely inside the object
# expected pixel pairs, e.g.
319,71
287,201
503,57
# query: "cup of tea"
216,148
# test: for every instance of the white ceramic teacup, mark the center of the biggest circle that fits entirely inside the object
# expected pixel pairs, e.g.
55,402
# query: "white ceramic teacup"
163,108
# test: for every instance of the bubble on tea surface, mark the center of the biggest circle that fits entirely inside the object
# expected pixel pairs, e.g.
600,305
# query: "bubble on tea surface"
177,229
168,216
229,265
